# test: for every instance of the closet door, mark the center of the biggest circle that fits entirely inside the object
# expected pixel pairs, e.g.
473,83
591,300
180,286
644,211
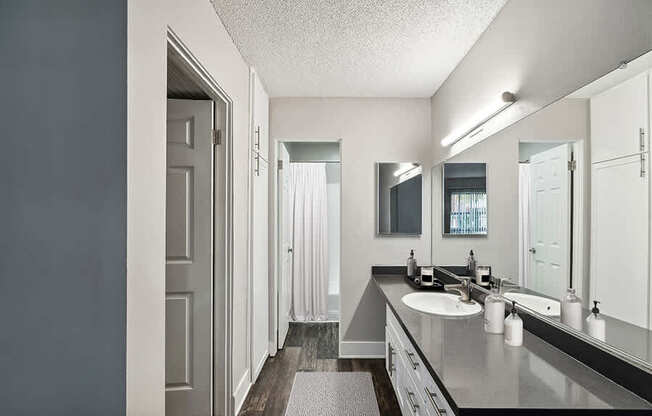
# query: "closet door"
260,300
619,238
619,120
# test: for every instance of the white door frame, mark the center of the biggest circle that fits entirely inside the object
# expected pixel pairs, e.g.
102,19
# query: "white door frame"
579,221
220,97
275,234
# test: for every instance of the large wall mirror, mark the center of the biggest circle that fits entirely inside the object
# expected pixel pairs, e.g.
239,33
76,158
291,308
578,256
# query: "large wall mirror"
570,211
399,195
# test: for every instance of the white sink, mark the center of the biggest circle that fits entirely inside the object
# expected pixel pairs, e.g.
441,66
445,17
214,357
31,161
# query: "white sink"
442,304
539,304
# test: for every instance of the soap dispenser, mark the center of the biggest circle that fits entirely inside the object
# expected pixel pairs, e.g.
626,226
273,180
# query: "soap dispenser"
470,264
513,328
595,324
571,310
494,313
411,265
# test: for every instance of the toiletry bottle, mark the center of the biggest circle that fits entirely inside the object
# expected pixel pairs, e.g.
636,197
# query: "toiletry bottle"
513,328
470,264
411,265
571,310
494,313
595,324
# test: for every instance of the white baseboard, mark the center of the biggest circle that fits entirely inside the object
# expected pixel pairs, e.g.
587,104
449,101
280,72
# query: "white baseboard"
241,391
362,349
259,366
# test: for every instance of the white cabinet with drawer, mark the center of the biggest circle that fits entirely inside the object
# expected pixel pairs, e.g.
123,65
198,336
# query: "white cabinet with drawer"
415,389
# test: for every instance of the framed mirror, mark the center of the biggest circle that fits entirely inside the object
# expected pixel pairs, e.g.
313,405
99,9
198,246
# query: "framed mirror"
399,193
464,199
571,196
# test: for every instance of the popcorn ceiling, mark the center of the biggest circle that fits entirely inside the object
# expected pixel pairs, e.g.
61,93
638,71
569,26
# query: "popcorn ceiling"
363,48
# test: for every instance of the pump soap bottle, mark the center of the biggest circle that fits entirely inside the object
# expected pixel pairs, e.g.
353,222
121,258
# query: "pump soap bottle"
494,313
571,310
411,265
470,264
595,323
513,328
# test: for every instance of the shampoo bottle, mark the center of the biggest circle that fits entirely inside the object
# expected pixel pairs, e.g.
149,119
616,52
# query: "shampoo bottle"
494,313
411,265
470,264
595,324
571,310
513,328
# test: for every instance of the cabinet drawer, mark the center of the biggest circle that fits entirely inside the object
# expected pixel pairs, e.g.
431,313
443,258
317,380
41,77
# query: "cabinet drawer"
412,402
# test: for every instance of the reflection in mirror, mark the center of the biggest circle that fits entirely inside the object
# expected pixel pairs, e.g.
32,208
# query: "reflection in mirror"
399,193
570,196
465,198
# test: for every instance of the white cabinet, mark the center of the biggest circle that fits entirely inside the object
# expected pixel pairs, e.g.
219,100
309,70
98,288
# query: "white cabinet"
259,290
619,238
416,390
619,120
260,121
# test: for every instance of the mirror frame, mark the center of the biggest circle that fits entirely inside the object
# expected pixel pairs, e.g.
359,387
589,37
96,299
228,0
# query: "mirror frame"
377,200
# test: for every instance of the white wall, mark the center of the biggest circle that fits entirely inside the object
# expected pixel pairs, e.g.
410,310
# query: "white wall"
196,23
370,130
565,120
542,51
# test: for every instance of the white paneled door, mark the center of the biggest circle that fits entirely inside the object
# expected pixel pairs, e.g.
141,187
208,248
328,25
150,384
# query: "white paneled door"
285,244
260,291
550,221
188,272
619,238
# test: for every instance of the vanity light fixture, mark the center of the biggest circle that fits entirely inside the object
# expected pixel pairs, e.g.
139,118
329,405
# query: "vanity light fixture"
507,99
405,167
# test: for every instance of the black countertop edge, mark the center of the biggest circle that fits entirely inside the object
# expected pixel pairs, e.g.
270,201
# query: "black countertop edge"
500,411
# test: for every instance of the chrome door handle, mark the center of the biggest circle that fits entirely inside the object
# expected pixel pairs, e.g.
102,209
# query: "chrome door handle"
431,396
410,396
412,362
532,250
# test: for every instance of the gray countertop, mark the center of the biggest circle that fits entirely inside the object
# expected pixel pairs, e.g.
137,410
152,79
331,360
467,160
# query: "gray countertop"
480,372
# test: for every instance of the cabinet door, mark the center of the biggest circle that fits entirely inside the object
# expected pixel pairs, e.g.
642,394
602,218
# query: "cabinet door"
260,127
260,301
619,239
619,120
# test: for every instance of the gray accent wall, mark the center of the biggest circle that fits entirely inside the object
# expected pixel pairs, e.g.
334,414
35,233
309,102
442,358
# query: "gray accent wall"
63,155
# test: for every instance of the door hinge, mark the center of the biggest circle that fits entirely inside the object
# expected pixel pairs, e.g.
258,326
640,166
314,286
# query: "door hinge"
280,165
572,165
217,137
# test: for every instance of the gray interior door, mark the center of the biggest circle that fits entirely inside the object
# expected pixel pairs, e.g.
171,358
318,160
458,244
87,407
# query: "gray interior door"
188,273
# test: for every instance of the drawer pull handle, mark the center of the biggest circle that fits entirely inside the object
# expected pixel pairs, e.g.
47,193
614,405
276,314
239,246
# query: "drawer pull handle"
410,397
431,396
412,362
392,367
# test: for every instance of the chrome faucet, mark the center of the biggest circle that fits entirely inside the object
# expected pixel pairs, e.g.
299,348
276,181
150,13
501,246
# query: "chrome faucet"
463,288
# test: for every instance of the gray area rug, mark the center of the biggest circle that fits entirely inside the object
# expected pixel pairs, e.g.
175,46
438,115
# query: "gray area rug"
332,394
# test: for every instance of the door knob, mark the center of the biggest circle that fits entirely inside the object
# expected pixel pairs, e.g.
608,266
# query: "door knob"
532,250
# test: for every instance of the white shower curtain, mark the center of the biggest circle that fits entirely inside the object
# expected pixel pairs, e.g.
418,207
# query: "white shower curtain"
308,201
523,223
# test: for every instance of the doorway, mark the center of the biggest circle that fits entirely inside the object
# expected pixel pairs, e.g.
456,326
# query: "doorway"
197,227
550,222
308,234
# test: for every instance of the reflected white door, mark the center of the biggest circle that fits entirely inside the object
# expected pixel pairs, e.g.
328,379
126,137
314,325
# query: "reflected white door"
285,254
188,271
550,221
619,238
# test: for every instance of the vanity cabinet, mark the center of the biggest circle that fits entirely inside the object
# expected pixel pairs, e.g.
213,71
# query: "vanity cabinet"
416,390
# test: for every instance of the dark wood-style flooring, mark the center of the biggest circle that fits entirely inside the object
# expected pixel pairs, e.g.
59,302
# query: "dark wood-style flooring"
311,347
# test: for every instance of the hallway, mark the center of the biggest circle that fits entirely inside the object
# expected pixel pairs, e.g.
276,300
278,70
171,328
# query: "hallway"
311,347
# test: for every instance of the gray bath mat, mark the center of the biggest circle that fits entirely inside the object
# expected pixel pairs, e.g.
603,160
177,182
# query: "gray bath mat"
332,394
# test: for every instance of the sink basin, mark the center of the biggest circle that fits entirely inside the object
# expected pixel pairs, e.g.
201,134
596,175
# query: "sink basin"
539,304
442,304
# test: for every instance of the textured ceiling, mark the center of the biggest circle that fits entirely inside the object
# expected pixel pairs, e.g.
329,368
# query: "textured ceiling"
358,48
